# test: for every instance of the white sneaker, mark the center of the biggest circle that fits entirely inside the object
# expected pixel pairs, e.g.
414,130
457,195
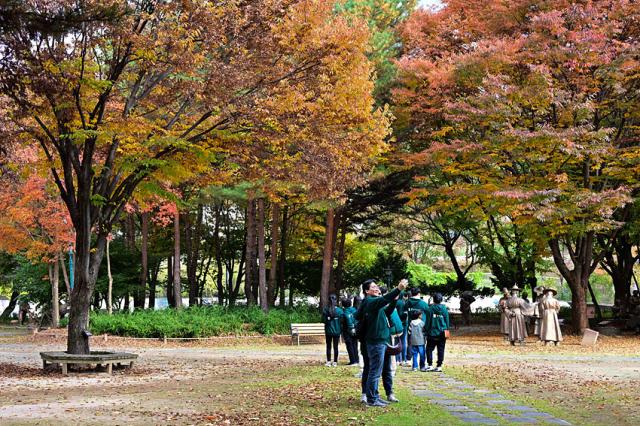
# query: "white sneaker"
438,369
327,364
334,364
363,398
429,368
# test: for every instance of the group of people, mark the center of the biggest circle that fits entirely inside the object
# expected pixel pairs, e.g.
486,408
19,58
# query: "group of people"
544,311
385,325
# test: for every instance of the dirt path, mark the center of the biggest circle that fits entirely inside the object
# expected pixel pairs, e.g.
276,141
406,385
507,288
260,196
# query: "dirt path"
196,384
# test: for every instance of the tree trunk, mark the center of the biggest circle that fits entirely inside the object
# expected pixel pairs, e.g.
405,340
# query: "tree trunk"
87,265
272,290
13,301
596,305
577,278
618,263
153,282
262,266
144,251
171,300
339,272
65,276
192,245
251,272
54,272
218,253
110,287
177,289
337,218
327,259
283,254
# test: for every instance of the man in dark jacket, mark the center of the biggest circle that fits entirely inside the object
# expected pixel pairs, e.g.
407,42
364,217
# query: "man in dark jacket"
375,336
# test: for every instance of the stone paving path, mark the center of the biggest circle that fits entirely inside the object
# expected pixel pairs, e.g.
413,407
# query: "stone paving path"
477,406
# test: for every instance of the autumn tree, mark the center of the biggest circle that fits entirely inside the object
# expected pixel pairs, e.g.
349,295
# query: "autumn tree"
115,93
529,105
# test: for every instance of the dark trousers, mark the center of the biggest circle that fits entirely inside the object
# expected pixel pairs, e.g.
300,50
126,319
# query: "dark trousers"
375,366
352,348
335,340
436,342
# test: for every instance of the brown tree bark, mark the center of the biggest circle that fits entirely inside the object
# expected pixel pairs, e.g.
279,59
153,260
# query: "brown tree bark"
193,235
272,290
251,268
13,301
65,275
54,273
283,254
144,252
86,267
327,259
584,263
171,300
153,282
177,288
338,273
110,283
218,254
262,266
618,263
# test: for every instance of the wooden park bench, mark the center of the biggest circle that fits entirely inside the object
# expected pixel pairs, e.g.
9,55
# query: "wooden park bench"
98,358
308,329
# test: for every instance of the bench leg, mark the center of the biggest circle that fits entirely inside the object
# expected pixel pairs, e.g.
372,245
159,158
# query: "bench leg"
130,365
44,364
64,368
110,368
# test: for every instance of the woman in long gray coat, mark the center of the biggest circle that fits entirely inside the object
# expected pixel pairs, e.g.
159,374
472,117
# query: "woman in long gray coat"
550,327
517,324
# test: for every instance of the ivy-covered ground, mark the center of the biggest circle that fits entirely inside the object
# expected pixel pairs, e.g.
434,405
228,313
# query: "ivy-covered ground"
263,382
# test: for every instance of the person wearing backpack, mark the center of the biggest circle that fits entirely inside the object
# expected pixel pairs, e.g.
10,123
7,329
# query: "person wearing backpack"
349,331
396,329
373,332
436,328
403,358
415,302
332,318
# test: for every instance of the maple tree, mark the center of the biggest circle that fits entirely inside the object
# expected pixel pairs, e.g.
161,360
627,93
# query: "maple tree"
530,107
115,93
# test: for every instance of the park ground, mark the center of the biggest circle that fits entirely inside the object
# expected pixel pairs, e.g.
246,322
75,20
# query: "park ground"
266,382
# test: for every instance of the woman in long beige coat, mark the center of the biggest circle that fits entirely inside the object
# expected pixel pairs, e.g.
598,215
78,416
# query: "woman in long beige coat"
504,318
517,324
550,327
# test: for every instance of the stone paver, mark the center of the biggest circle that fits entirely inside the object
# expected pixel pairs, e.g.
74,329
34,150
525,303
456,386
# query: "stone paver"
441,390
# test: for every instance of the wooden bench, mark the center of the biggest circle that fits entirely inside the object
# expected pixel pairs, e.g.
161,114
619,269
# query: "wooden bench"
308,329
98,358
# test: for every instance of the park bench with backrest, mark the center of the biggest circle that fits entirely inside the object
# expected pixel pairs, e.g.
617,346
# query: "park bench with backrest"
308,329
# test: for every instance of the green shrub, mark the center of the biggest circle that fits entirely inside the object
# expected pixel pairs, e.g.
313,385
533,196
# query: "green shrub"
201,321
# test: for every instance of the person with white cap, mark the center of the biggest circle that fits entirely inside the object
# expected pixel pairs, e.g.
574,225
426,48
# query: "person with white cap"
514,309
550,325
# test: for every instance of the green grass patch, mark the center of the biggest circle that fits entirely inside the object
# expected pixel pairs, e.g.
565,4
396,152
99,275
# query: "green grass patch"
209,321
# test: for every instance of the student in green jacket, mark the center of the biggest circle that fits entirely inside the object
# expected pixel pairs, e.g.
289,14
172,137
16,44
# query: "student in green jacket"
404,317
349,331
375,336
332,318
415,303
437,323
